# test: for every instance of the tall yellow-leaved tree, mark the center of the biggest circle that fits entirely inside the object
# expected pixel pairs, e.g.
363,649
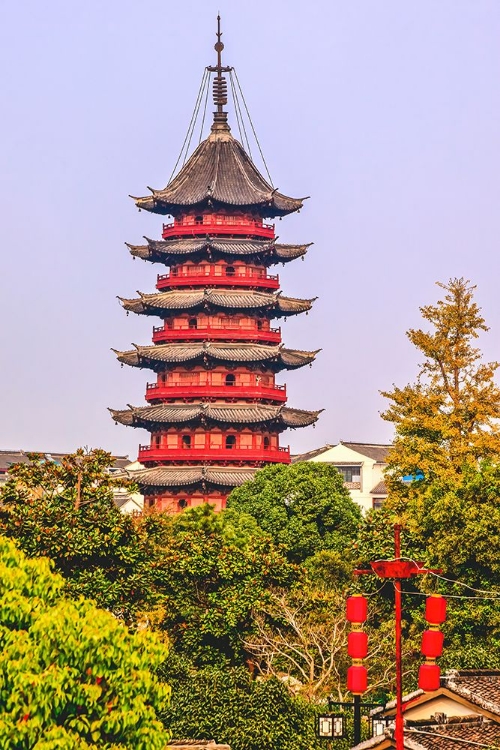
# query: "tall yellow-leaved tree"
448,418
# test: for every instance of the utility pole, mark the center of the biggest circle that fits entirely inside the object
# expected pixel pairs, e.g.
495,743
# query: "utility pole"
398,570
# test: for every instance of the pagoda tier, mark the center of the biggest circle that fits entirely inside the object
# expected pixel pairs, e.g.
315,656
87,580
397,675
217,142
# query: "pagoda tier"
215,412
214,300
219,175
181,249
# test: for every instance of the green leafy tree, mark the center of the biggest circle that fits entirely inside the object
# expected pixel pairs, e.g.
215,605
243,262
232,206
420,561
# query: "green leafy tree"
210,577
66,512
304,507
448,418
231,707
71,675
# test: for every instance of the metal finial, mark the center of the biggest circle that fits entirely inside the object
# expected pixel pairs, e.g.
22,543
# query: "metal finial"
219,84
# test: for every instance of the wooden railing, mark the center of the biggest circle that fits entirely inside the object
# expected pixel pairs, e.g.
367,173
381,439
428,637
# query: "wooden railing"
161,334
149,453
243,228
183,278
155,391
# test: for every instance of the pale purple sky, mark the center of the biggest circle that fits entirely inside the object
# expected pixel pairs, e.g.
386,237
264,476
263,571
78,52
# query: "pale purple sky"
385,112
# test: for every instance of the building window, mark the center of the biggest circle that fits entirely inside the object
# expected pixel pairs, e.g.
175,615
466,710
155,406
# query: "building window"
350,473
193,323
198,219
230,271
230,442
186,441
182,504
259,325
378,502
266,443
230,379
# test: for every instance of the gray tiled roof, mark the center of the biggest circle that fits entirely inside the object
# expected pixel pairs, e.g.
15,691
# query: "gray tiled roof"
208,413
215,299
183,476
166,251
376,451
156,357
219,173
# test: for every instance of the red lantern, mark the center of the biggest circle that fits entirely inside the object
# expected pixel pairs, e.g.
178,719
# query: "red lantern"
357,644
357,680
435,609
429,677
357,608
432,643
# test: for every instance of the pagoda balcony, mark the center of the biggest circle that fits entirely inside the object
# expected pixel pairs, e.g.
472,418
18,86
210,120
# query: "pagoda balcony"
193,455
162,335
160,391
183,278
244,228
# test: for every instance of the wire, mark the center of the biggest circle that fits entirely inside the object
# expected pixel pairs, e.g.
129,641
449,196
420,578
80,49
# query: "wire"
205,107
455,596
452,739
239,114
191,123
251,125
465,585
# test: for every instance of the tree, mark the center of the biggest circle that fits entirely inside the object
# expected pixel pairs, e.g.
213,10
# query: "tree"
71,675
209,577
304,507
229,706
447,419
66,512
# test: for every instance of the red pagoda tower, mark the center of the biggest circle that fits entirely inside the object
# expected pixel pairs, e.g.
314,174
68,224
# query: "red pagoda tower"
214,412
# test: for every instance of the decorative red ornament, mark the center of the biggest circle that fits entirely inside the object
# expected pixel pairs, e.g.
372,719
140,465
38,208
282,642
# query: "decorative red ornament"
432,643
429,677
357,680
357,644
435,609
357,608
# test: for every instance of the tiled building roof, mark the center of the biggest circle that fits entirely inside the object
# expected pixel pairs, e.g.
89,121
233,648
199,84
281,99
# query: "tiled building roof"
171,250
378,452
215,299
185,476
274,357
219,174
281,417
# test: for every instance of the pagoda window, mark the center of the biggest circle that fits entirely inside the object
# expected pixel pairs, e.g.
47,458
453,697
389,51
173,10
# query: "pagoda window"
172,441
186,441
230,271
193,323
230,442
199,440
231,379
266,443
156,441
174,271
198,219
259,325
169,324
246,440
215,440
182,504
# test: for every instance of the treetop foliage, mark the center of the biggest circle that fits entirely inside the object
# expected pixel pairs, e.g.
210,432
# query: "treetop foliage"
304,507
449,417
71,675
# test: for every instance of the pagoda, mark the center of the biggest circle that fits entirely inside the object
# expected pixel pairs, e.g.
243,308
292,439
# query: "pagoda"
214,411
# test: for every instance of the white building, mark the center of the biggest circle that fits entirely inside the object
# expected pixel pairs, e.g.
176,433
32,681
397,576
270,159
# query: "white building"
362,466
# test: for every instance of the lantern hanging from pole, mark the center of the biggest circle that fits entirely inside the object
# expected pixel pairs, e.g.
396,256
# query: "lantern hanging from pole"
357,644
429,677
432,643
357,679
357,608
435,609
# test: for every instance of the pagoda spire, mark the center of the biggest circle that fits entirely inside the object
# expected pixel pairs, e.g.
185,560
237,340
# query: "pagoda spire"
219,85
